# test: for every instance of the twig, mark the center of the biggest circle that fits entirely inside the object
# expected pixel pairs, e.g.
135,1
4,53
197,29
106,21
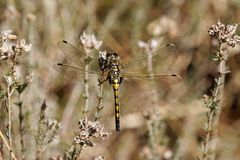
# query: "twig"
41,130
1,150
12,79
21,127
7,145
89,43
73,153
225,34
209,127
214,105
154,121
86,90
150,72
9,107
100,105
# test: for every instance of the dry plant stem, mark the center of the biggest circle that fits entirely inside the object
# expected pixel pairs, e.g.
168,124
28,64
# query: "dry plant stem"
1,150
153,122
208,134
21,127
73,153
100,105
9,94
219,94
86,92
214,113
41,131
7,145
152,142
150,72
220,82
86,87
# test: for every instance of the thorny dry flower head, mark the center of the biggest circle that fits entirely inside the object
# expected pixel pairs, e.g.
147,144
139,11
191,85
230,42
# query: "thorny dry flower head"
12,79
87,131
7,35
210,102
224,33
21,47
48,129
4,53
11,47
89,41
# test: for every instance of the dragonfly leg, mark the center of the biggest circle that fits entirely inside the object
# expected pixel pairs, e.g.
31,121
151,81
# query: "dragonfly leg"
101,80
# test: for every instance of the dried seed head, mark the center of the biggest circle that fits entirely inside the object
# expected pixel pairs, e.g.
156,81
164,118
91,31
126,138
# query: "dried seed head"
5,36
87,130
4,55
12,37
21,47
224,33
5,52
10,47
12,79
89,41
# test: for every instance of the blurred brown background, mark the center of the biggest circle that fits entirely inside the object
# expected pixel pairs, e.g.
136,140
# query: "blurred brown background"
120,25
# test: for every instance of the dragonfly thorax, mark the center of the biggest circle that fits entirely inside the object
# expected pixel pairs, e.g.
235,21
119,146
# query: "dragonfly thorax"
110,62
114,75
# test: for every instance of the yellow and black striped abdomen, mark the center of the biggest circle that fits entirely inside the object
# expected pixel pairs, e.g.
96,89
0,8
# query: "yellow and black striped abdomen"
117,107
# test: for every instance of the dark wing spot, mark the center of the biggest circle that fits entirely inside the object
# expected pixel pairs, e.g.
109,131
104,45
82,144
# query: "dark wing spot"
175,75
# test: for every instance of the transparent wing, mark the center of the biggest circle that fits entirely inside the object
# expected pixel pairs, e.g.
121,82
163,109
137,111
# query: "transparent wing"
78,56
164,79
70,71
140,63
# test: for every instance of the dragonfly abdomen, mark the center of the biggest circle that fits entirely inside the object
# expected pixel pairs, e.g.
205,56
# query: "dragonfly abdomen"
117,107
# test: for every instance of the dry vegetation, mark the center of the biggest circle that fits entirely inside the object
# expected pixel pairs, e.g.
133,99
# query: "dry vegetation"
49,114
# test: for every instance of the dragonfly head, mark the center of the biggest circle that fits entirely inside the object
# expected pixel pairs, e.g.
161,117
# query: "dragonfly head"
102,60
113,58
108,59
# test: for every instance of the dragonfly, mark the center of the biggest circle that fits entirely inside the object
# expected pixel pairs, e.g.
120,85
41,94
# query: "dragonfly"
107,66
